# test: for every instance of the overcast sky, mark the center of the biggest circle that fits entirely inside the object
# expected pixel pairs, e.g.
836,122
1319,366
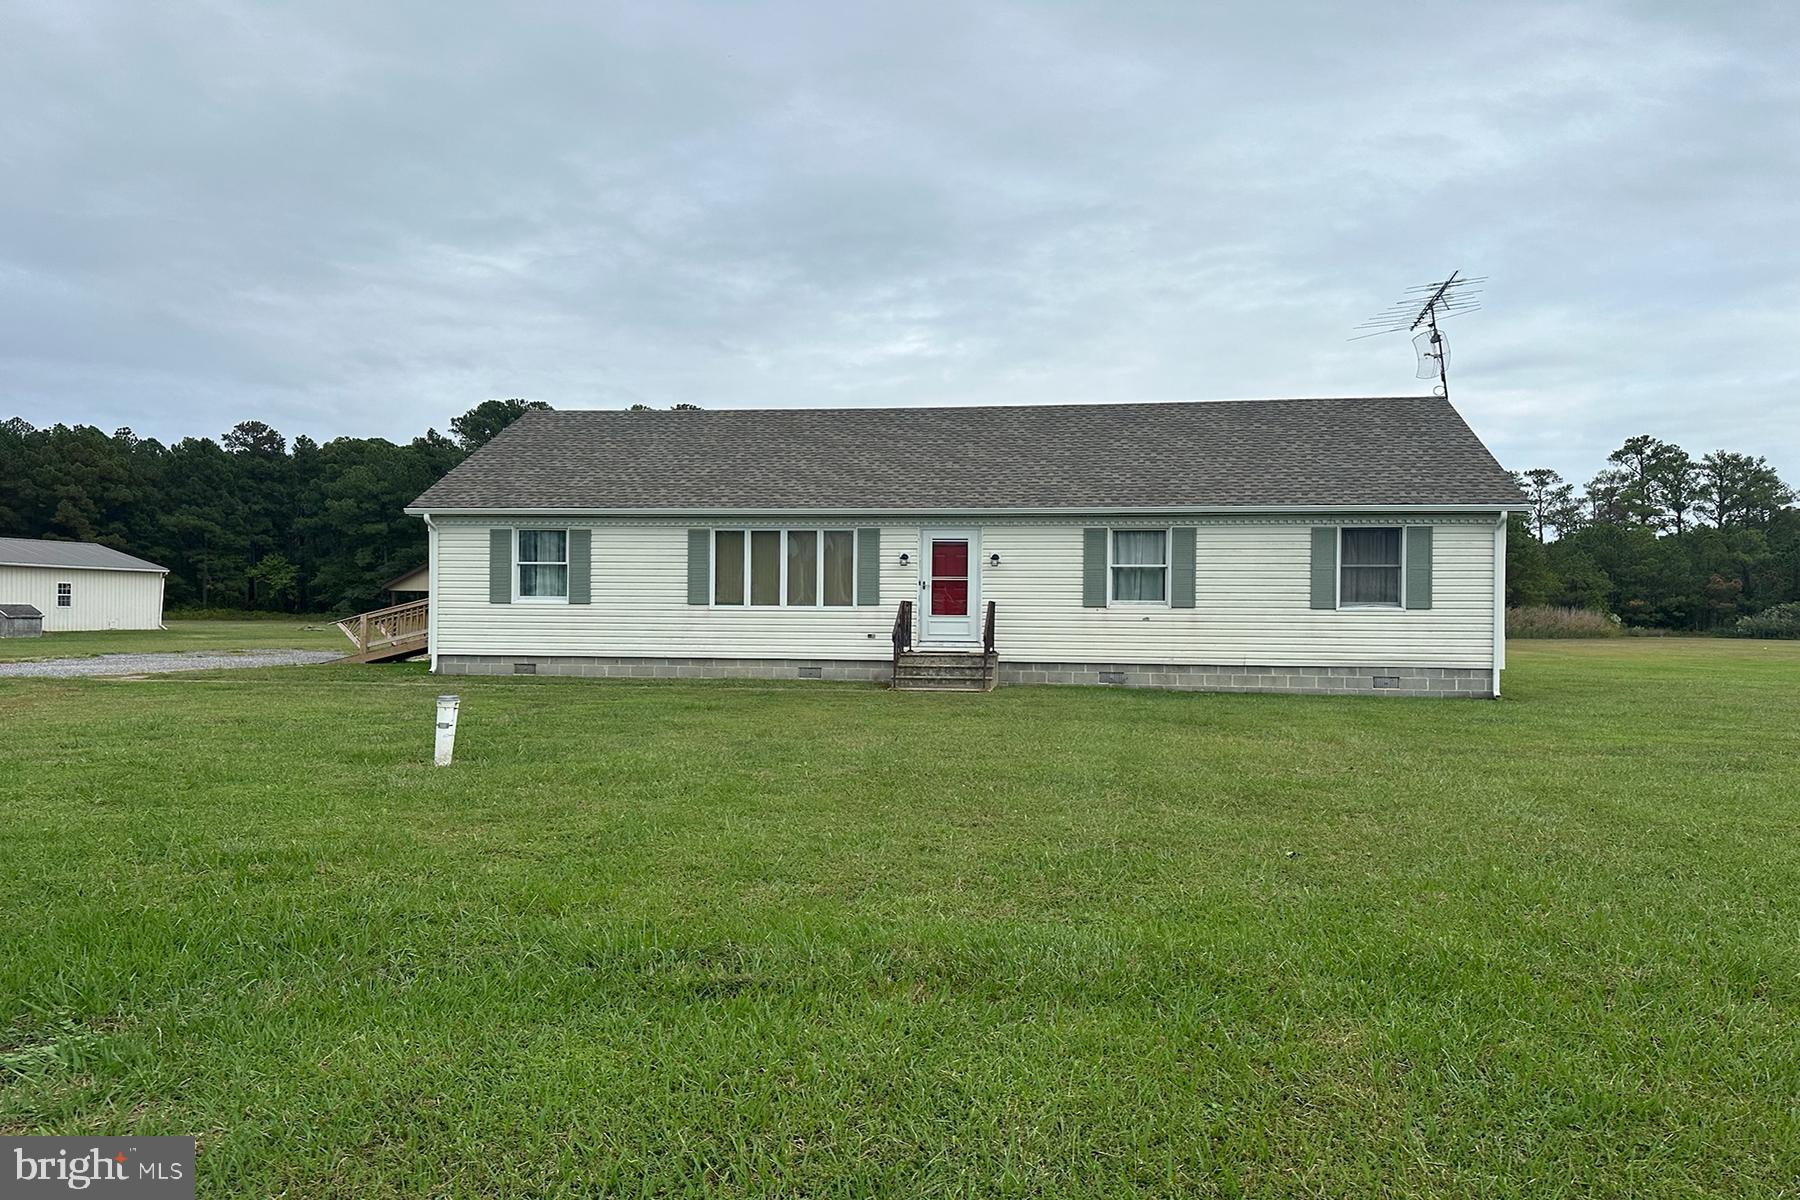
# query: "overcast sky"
363,218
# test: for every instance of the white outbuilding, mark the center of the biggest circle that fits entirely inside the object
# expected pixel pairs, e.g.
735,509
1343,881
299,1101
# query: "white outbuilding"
81,585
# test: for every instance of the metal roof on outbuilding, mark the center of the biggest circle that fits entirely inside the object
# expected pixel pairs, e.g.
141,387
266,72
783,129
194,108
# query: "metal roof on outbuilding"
88,556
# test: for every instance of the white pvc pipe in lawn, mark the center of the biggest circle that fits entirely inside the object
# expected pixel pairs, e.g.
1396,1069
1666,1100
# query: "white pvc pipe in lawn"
446,729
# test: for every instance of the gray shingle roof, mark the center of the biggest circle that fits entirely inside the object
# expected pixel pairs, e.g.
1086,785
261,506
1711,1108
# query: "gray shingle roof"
18,611
35,552
1385,450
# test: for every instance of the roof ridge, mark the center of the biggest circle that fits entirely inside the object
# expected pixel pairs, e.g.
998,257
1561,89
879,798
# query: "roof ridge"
1059,405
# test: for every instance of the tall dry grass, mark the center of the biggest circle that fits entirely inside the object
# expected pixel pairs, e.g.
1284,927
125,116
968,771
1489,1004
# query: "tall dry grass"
1550,621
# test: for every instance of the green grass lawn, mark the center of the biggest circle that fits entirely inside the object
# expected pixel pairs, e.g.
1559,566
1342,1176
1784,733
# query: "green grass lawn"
814,938
297,633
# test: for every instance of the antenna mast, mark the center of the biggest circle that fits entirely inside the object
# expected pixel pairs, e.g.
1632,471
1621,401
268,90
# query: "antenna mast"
1418,311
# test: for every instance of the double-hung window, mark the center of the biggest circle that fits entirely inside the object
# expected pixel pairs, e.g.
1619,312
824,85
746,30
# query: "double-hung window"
543,558
1140,566
65,595
1369,568
791,568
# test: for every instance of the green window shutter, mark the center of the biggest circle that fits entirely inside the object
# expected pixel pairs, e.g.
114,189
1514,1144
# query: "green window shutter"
1093,568
1418,566
500,566
1324,566
699,566
581,566
1181,568
868,566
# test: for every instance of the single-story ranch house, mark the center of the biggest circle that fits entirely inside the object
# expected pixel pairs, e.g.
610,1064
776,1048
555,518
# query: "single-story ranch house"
81,585
1341,545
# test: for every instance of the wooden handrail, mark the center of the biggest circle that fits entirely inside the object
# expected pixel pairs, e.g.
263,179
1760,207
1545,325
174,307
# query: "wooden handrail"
374,613
903,621
387,626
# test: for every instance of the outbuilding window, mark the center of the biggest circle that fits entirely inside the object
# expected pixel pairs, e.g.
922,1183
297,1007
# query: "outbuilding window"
1140,566
1369,568
543,564
793,568
65,595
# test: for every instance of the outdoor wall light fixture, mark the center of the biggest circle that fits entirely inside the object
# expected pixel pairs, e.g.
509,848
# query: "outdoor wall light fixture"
993,560
905,558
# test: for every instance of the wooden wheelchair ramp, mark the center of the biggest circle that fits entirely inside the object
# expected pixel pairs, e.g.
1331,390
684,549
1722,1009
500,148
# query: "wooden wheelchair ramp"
388,634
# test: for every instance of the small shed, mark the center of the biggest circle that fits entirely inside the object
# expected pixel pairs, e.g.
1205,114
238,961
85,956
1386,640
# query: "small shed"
20,620
409,585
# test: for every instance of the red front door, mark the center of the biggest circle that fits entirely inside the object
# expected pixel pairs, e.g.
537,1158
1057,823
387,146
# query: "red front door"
949,578
950,588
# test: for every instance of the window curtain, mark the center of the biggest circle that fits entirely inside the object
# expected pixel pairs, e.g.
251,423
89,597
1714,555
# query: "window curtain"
802,567
1371,567
543,562
840,568
1139,563
1137,583
728,567
1138,547
539,580
765,567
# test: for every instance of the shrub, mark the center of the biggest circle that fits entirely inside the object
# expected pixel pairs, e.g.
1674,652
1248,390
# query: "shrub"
1549,621
1778,621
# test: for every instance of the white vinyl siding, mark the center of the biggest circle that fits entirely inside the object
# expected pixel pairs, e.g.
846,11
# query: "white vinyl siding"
639,601
1252,600
98,598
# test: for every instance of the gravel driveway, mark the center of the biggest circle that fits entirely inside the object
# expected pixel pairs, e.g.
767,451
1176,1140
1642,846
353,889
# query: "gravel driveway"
163,664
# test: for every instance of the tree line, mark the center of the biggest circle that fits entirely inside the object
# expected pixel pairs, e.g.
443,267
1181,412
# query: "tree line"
249,521
1659,538
252,521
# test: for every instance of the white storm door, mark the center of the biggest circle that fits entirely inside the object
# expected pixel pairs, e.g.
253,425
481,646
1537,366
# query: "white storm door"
950,587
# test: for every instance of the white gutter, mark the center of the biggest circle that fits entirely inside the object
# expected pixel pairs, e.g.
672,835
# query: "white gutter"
1016,511
1499,601
431,603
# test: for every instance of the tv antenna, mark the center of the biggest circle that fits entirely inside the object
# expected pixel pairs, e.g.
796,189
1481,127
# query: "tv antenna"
1418,313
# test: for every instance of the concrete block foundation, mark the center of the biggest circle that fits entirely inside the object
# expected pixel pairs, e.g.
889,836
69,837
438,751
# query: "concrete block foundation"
1374,680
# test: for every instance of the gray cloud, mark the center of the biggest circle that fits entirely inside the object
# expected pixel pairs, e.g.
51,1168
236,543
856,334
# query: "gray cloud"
366,218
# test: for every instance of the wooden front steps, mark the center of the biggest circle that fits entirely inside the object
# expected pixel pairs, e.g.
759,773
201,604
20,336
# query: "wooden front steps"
946,671
389,634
